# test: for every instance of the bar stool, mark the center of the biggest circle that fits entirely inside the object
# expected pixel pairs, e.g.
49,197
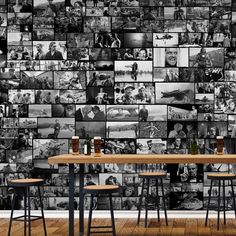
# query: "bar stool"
220,177
147,176
101,189
22,187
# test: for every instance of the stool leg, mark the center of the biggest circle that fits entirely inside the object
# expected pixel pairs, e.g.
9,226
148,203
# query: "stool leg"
146,202
164,203
29,207
112,216
90,215
25,206
224,201
158,210
218,218
233,196
208,204
140,202
12,211
41,206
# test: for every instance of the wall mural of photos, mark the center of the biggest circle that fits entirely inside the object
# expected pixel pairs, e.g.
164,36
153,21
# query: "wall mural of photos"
146,75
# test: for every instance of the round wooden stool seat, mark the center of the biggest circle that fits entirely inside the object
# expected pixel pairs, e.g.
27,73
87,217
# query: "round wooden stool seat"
221,176
152,175
26,182
96,189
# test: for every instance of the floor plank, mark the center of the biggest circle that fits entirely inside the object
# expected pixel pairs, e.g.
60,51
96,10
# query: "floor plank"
129,227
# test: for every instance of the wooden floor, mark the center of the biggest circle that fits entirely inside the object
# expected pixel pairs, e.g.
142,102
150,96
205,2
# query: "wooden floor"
128,227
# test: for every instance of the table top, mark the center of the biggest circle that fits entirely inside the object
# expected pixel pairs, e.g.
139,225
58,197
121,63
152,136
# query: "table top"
142,158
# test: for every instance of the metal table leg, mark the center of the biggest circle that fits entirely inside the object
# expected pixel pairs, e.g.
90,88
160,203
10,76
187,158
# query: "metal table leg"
81,200
71,199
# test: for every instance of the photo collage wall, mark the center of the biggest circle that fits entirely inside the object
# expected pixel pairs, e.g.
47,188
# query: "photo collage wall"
148,76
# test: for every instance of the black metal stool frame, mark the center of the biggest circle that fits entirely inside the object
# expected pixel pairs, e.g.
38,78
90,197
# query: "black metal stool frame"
97,192
146,200
218,210
26,191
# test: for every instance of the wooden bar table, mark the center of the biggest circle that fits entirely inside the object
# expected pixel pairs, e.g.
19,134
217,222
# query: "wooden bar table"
81,160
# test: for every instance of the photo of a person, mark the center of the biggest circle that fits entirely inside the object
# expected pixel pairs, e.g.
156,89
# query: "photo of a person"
51,10
171,57
53,53
202,59
127,98
57,128
143,114
177,132
40,55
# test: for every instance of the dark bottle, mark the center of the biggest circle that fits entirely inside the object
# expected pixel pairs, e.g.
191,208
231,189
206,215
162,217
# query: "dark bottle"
194,146
87,145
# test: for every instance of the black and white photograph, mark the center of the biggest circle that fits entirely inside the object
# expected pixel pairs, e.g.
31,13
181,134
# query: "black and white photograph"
153,129
91,129
170,57
56,127
40,110
90,113
136,40
72,96
122,112
206,57
36,80
152,113
45,8
167,75
120,146
69,80
186,173
99,95
28,123
203,98
177,145
19,52
9,78
134,93
133,71
122,129
100,78
21,96
110,179
20,39
44,148
197,26
179,129
17,110
151,146
165,40
186,201
94,24
46,96
180,93
183,112
49,50
212,129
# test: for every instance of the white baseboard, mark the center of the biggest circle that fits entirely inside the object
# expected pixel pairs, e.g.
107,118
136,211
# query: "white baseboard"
122,214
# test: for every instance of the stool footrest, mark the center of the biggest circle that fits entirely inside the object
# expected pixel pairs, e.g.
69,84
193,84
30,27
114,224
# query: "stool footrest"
101,232
18,218
100,227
